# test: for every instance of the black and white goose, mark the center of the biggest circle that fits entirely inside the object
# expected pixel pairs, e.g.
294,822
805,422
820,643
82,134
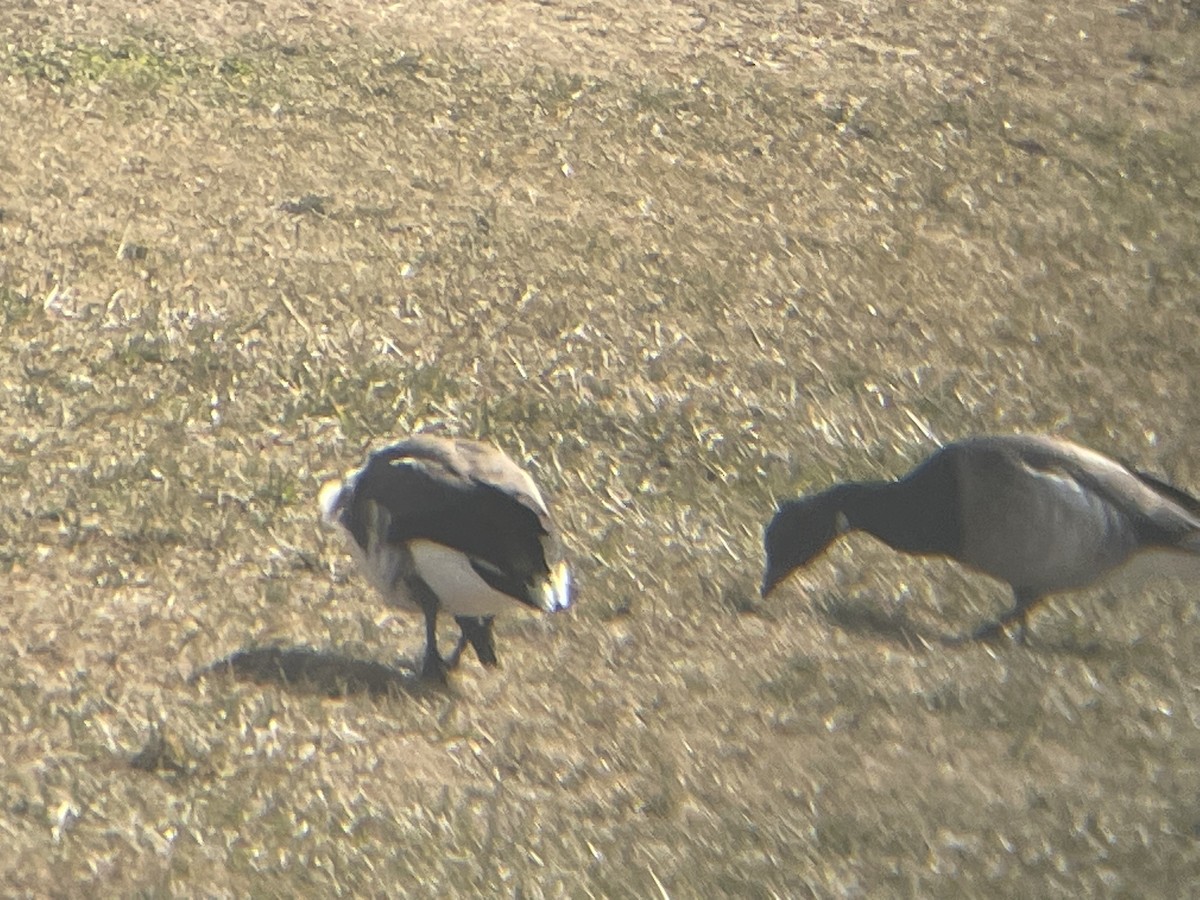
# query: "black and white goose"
440,523
1041,513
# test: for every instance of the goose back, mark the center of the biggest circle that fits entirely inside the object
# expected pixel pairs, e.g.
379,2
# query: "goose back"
1047,515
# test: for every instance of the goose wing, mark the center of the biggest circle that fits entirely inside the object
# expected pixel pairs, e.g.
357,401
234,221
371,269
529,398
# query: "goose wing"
1177,495
1157,512
466,496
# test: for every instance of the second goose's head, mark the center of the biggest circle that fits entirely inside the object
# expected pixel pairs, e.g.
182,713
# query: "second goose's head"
800,531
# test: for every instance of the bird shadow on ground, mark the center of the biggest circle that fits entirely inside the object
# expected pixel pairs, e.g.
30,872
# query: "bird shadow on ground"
897,628
317,672
894,627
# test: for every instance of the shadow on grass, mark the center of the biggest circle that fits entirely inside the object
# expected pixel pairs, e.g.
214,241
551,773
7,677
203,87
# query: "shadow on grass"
317,672
895,627
990,633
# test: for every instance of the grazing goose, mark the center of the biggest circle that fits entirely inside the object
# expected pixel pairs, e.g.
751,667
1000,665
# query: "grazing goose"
1041,513
450,524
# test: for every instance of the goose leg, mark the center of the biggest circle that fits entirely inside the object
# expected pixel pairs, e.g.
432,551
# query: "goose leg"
1018,614
477,631
433,667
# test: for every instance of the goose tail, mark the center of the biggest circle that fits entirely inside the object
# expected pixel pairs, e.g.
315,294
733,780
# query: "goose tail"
555,590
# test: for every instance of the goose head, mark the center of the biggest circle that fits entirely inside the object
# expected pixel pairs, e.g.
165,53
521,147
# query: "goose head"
800,531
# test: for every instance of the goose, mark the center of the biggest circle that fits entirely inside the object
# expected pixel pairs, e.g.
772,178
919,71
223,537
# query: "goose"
1040,513
440,523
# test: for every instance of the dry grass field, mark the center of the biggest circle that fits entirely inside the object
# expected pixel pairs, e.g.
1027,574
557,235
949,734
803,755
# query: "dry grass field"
679,259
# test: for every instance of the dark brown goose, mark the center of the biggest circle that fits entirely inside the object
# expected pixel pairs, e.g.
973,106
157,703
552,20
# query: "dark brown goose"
1041,513
451,524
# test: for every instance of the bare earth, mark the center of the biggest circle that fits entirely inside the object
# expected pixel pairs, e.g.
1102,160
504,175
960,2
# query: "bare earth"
680,259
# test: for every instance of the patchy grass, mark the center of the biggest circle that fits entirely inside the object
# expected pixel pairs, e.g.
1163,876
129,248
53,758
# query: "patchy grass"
681,262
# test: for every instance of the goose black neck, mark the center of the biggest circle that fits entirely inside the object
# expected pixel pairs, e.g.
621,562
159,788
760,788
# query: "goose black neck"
917,514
